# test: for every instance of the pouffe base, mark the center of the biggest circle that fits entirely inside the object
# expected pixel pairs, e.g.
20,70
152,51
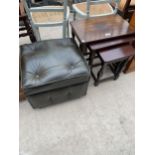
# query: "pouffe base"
58,95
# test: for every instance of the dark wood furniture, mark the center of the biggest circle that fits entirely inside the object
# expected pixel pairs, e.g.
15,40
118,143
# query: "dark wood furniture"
100,46
108,35
126,8
22,96
24,24
131,64
101,31
115,58
100,28
37,3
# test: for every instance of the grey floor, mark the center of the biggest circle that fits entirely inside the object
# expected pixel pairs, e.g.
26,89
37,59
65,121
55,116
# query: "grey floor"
101,123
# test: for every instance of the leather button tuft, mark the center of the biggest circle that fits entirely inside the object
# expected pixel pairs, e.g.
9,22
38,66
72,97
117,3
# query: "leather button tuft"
37,76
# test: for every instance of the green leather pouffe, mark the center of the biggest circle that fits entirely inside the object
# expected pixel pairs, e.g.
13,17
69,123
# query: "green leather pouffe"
53,71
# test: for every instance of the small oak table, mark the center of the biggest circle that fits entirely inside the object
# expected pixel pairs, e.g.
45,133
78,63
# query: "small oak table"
115,58
101,30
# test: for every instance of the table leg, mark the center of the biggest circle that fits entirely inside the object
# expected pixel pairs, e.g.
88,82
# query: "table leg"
119,68
92,55
73,35
83,48
100,73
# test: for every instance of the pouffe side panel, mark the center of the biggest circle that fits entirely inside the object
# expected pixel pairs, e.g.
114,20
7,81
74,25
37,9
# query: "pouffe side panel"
57,96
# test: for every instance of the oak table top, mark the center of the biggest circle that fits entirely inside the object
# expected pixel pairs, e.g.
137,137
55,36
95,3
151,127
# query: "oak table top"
100,28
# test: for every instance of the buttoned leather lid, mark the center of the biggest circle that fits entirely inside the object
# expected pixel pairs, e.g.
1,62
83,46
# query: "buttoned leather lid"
51,64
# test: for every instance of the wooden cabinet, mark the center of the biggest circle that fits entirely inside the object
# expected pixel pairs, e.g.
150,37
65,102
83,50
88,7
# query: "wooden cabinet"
131,65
